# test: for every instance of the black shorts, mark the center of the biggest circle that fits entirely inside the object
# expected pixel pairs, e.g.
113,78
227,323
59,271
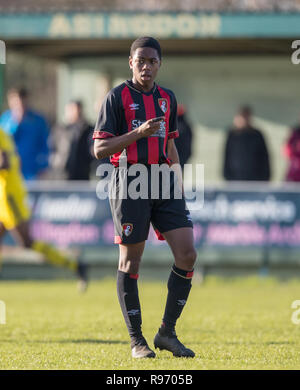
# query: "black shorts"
132,217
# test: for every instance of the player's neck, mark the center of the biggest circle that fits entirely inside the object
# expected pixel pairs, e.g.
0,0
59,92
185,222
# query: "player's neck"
147,87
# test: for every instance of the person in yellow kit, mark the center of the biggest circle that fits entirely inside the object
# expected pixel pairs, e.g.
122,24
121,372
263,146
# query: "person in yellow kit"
15,213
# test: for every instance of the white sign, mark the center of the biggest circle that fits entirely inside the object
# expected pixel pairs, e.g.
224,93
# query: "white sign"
296,54
2,53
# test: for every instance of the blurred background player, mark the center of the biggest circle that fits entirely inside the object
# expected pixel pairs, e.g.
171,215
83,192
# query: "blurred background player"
15,214
73,144
184,141
30,132
292,153
246,154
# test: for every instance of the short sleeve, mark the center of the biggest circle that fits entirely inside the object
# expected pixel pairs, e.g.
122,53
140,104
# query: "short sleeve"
108,122
173,125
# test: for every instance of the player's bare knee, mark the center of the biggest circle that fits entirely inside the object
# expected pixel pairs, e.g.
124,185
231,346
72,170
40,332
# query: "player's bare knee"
187,259
129,265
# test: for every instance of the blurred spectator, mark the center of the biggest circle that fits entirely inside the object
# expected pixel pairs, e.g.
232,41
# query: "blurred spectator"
184,141
106,160
292,152
30,132
246,155
73,144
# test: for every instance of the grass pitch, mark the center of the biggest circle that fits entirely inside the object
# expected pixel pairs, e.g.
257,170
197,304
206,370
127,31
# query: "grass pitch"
230,324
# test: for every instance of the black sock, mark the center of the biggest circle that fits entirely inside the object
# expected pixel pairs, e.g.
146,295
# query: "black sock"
179,286
129,301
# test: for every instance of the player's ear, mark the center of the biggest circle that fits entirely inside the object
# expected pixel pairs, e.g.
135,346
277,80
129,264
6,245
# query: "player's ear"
130,62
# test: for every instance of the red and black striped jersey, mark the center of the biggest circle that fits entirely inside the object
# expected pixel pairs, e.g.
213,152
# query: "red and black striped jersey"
125,108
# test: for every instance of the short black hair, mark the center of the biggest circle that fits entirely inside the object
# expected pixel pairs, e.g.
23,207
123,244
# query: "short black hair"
77,103
245,110
19,91
145,42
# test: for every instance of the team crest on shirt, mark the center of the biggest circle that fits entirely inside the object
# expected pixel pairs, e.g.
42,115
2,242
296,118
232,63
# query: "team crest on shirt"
127,228
163,104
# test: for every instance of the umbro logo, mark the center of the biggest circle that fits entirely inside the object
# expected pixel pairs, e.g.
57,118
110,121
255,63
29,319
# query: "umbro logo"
133,312
134,106
181,302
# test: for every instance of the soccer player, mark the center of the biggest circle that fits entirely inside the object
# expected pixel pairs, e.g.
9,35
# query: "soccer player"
15,214
126,128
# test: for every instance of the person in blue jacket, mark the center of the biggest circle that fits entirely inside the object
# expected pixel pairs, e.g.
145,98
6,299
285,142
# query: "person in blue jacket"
30,132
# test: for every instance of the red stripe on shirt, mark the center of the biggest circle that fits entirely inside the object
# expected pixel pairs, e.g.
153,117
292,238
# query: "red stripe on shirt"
114,159
132,156
153,142
164,94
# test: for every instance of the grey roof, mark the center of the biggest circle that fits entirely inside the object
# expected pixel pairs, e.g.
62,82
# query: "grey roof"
28,6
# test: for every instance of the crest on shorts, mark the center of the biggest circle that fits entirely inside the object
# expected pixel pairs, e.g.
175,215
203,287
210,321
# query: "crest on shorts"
163,104
127,228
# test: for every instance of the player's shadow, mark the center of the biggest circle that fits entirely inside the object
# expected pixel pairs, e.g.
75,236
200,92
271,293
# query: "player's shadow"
67,341
91,341
244,343
260,343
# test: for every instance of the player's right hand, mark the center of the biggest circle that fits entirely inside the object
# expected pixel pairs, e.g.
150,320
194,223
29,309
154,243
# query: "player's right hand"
149,127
